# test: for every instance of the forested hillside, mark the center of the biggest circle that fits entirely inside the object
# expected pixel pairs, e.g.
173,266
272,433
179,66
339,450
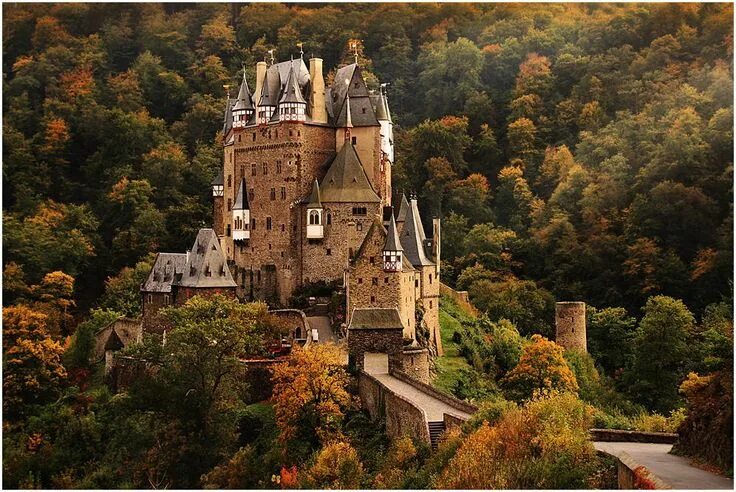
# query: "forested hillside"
579,150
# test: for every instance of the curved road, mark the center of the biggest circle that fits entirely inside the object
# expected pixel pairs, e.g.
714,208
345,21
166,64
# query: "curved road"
675,471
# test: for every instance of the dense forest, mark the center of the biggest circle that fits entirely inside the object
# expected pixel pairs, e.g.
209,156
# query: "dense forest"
574,152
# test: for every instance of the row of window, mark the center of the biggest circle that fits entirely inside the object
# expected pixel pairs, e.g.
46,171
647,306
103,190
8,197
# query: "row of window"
264,119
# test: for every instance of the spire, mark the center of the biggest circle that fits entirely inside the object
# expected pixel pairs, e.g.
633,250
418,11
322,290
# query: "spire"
292,93
244,100
314,199
241,200
392,237
382,112
228,122
403,209
348,119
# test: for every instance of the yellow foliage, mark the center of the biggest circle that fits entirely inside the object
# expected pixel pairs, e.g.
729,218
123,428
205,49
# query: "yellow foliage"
337,467
542,367
311,387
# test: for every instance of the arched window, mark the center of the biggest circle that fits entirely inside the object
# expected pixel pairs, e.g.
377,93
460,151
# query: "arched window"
329,219
314,217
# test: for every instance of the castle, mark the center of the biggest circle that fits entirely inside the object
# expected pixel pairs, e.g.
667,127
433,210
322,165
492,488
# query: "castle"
305,195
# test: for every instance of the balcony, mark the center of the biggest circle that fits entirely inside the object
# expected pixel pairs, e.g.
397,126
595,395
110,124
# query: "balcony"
315,231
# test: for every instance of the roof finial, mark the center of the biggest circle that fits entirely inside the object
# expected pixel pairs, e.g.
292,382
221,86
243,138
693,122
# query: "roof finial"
354,46
301,49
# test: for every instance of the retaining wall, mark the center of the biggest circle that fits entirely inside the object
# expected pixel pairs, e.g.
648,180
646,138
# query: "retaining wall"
402,417
425,388
615,435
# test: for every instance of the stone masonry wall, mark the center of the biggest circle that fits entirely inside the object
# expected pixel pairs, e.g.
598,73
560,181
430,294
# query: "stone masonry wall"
429,288
151,303
387,341
570,324
327,258
415,364
371,286
402,417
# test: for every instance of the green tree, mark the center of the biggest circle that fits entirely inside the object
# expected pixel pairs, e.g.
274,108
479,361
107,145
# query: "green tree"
661,353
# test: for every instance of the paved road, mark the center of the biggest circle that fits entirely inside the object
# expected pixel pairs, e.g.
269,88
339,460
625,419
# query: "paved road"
322,323
676,471
433,408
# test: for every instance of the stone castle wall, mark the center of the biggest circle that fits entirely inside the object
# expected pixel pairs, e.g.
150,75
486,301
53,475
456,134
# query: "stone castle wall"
415,364
386,341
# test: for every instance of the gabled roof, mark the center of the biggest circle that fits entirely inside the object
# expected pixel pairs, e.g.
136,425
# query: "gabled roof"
403,209
219,179
346,180
164,271
206,266
349,81
241,199
314,199
291,92
412,237
392,237
375,319
244,100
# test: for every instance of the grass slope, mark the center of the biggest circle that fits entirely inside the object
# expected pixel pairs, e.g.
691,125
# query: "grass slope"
451,363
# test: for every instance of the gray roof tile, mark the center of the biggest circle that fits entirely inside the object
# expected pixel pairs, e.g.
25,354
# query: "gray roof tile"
376,319
346,180
164,271
206,266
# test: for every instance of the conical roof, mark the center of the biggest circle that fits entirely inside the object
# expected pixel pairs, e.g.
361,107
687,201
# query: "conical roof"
219,179
346,180
244,100
382,112
392,237
292,93
228,122
314,198
348,117
267,99
403,209
241,199
412,237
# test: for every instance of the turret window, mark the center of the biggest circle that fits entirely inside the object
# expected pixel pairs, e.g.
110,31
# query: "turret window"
314,217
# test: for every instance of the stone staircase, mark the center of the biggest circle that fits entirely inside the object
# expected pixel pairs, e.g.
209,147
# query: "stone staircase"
436,429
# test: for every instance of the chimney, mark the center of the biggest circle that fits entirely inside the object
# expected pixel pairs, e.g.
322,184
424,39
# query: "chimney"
260,75
317,98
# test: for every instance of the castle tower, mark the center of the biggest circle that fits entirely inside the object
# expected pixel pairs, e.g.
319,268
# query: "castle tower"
392,250
241,216
570,326
243,110
315,228
292,106
218,193
267,102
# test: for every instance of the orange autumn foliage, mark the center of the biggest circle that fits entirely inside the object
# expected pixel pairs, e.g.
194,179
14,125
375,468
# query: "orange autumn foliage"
542,367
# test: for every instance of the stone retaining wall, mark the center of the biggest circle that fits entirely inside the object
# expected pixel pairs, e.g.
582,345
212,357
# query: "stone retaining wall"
634,476
616,435
402,417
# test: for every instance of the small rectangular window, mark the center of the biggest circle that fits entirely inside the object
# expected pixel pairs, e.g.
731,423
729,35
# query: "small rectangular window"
253,169
355,140
329,252
253,224
268,223
373,298
229,204
273,193
374,281
360,280
283,192
265,168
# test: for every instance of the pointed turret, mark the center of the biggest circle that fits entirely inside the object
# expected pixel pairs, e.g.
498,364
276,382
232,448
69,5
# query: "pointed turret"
392,250
315,228
218,184
382,113
267,104
292,105
228,122
403,209
413,237
243,109
241,214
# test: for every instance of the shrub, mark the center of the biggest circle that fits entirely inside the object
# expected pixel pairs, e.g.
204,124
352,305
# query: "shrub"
586,375
541,445
489,412
400,461
336,467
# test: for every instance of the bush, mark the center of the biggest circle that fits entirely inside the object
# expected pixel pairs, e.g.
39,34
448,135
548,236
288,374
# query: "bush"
541,445
589,381
659,423
336,467
489,412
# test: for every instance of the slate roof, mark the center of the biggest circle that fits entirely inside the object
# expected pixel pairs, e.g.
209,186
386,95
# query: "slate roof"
392,237
241,199
403,209
219,179
228,122
314,198
164,271
205,265
269,92
292,93
346,180
375,319
382,112
349,81
412,237
377,227
244,100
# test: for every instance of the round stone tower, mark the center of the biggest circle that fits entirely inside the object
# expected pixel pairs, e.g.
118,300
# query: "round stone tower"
570,324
